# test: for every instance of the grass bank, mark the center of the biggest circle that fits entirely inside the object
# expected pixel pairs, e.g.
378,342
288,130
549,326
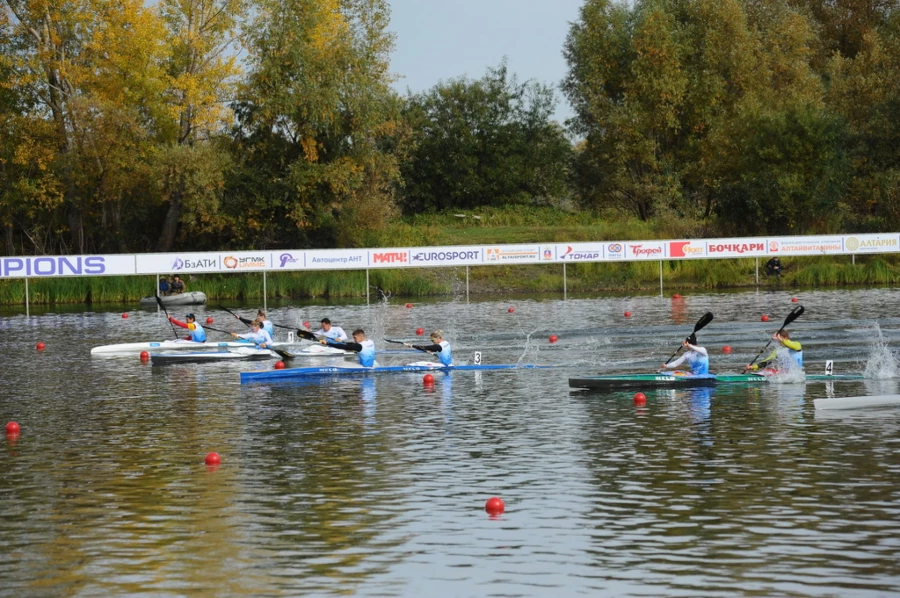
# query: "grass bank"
484,228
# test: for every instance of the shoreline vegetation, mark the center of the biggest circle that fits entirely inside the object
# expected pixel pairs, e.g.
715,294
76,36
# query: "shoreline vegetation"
490,226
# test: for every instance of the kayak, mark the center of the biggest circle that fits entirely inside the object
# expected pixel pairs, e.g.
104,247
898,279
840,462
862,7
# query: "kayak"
358,370
857,402
679,380
297,349
192,298
242,354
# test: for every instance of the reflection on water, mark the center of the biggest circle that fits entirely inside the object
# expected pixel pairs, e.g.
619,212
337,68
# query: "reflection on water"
376,485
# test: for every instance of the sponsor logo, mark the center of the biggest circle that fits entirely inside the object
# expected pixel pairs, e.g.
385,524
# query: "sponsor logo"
811,247
52,266
773,246
684,249
392,257
548,254
205,263
244,262
615,248
852,243
736,247
573,255
639,250
343,259
496,254
286,258
445,256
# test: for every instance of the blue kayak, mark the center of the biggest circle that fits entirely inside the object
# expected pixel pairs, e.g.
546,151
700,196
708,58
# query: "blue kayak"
358,370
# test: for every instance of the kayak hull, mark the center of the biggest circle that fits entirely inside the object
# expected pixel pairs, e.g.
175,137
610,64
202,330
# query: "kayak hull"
191,298
296,349
174,357
856,402
668,380
358,370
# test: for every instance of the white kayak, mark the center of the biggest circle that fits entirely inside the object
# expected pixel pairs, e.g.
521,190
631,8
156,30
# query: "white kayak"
296,349
857,402
240,354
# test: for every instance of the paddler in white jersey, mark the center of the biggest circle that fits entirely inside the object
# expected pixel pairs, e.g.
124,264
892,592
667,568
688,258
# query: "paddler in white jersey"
257,336
335,333
438,346
695,355
265,323
365,348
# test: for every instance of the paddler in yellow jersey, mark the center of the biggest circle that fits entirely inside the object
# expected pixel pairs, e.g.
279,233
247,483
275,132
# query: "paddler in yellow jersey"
794,349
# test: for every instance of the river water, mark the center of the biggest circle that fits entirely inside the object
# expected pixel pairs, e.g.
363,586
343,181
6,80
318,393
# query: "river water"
377,486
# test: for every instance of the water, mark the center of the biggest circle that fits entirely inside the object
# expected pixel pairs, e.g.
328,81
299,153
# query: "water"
377,486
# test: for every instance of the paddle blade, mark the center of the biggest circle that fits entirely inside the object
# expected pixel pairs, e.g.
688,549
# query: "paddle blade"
390,340
796,313
703,321
307,335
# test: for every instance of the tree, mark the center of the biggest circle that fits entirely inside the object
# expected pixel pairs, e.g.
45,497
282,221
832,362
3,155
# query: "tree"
484,142
317,121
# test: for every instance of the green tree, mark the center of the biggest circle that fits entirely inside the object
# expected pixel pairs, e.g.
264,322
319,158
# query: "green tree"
484,142
317,124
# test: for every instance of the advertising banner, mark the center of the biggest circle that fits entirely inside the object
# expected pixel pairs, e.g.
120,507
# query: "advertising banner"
171,263
243,261
66,265
688,249
445,256
880,243
645,250
340,259
818,245
614,251
289,260
523,254
580,252
751,247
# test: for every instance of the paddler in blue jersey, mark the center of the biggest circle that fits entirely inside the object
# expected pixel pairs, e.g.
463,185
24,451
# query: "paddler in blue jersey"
265,323
794,349
198,335
439,346
365,348
257,335
695,355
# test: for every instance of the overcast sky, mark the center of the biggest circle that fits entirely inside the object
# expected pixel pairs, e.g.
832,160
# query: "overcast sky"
439,40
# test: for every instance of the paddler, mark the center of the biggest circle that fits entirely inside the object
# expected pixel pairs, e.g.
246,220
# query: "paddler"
198,335
695,355
265,323
439,346
335,333
257,335
794,349
365,348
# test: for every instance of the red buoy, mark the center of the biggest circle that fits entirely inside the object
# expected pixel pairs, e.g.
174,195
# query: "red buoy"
676,296
12,428
494,506
213,459
794,300
428,380
408,305
420,331
553,338
726,350
306,325
627,314
279,365
209,320
40,346
124,316
764,318
145,356
640,398
511,309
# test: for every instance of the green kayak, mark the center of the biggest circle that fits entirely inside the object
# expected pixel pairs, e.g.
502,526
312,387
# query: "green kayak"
670,380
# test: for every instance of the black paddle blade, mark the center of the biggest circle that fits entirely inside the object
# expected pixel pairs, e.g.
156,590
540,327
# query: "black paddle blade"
796,313
307,335
703,321
389,340
283,354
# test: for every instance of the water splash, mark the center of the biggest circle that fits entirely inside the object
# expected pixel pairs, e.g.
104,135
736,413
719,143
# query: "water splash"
788,370
882,363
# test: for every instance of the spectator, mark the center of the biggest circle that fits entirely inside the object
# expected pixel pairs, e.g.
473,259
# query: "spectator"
773,267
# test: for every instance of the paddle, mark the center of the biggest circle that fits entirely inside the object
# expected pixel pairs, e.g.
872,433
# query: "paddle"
306,334
795,313
165,311
703,321
410,345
